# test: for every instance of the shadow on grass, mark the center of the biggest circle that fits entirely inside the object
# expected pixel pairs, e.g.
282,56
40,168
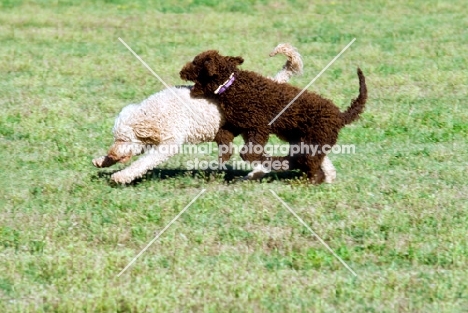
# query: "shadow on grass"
230,176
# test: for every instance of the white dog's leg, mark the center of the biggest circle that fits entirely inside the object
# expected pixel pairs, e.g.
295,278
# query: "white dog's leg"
328,169
145,163
103,161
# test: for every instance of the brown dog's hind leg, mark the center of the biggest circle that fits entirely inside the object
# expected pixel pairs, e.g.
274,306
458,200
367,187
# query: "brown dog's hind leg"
318,178
312,163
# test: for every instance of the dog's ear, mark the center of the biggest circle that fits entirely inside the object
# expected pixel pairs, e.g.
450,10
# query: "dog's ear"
236,60
211,67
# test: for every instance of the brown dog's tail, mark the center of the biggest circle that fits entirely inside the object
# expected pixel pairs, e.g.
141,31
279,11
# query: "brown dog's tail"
357,105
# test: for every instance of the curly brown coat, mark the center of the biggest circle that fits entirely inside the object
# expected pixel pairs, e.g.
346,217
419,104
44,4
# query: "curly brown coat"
252,101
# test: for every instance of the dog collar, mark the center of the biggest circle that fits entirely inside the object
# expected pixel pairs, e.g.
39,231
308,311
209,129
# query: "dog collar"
226,85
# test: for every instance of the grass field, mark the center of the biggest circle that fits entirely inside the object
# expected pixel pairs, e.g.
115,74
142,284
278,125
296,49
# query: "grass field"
397,214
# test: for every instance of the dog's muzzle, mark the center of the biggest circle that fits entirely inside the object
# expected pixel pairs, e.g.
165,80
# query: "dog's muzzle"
188,72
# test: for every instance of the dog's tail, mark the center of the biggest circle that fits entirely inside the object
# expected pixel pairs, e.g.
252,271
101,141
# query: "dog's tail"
357,105
293,65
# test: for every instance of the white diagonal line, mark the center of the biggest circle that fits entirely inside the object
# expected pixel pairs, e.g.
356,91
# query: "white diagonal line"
160,233
313,80
156,75
310,229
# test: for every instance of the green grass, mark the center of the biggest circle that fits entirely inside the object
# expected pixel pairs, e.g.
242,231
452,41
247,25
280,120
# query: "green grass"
397,213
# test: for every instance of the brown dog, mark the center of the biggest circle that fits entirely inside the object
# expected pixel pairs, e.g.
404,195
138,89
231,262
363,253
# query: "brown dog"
250,102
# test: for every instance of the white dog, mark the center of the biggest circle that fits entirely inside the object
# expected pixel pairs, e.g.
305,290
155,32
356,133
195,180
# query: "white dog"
171,117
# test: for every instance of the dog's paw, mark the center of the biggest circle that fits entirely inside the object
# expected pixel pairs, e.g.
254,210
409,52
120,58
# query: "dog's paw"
103,161
318,178
121,178
330,178
258,172
99,161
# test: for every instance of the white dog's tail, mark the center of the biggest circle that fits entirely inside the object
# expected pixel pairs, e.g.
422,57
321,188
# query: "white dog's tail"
293,65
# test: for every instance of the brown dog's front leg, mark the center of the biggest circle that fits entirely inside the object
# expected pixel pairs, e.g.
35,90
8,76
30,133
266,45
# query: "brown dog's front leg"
254,143
224,138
